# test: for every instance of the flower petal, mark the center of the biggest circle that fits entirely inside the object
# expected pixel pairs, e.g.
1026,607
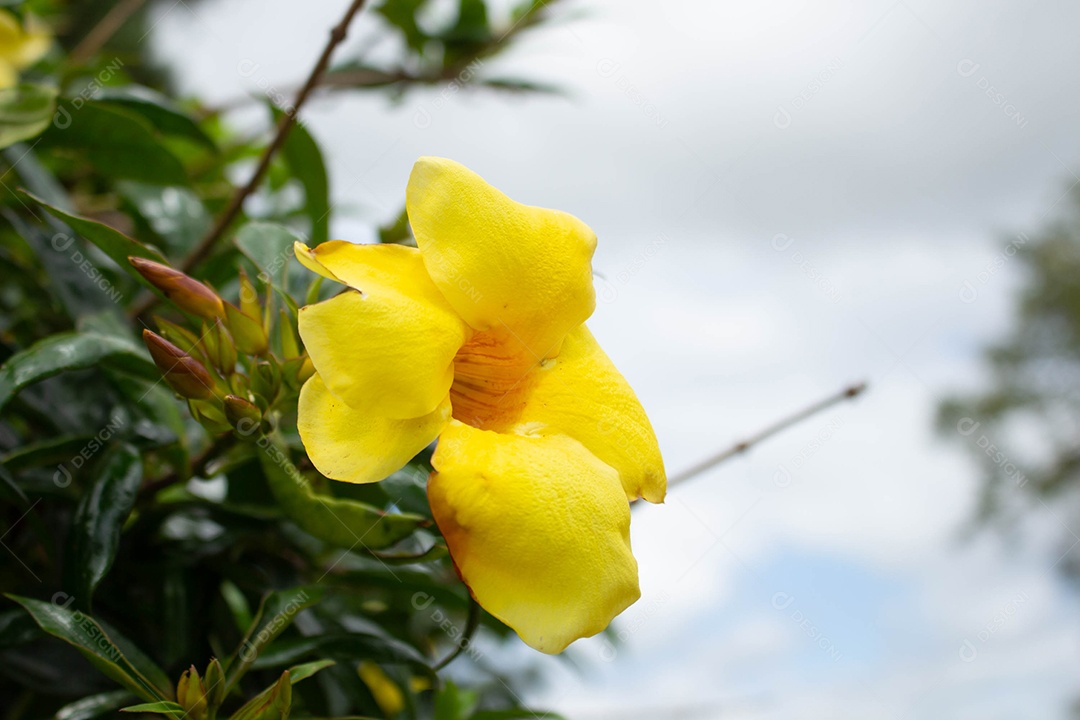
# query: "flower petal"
387,347
538,528
581,394
352,445
500,263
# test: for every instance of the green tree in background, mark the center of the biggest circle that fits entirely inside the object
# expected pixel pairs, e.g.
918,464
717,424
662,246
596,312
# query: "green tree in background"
1024,429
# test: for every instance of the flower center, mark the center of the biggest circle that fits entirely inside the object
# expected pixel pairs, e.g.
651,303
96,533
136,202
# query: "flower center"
492,376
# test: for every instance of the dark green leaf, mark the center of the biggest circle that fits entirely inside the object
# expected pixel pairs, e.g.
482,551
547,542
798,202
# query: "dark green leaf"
176,214
102,511
25,111
116,142
377,646
270,248
339,522
111,653
94,706
159,110
276,612
70,351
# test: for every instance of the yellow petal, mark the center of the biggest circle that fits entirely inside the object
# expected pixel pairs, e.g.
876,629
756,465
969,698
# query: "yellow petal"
388,346
21,46
538,528
387,694
9,77
501,264
357,446
581,394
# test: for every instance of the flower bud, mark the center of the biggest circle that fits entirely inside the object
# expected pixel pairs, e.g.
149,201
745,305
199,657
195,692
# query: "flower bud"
220,347
215,683
242,413
249,296
186,375
247,331
290,346
191,694
185,292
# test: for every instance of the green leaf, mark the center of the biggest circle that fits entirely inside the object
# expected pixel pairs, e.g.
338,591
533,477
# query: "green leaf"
102,511
402,15
116,142
10,490
339,522
273,703
158,110
305,159
303,672
276,612
176,214
453,703
270,248
377,646
111,653
70,351
118,246
163,708
94,706
25,111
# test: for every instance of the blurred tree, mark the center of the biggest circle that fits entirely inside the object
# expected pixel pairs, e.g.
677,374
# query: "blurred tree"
1024,429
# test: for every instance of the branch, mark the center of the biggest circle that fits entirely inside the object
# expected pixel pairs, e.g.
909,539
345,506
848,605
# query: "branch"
105,29
198,466
288,119
738,448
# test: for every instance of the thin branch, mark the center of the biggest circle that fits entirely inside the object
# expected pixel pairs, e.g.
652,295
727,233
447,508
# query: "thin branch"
471,625
198,466
740,447
288,120
105,29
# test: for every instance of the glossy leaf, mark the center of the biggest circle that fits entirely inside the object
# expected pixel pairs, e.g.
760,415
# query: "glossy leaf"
116,142
70,351
339,522
118,246
276,612
94,706
102,511
111,653
161,112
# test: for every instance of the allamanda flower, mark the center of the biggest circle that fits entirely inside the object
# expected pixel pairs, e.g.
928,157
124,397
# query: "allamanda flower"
477,338
21,45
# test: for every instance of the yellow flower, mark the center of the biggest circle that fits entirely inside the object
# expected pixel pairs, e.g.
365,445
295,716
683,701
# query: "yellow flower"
20,46
477,338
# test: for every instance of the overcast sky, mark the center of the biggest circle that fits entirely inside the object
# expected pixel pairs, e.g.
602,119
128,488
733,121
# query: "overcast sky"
789,197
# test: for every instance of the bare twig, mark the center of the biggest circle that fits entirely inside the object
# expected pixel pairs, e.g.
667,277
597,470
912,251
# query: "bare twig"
741,447
105,29
288,120
198,466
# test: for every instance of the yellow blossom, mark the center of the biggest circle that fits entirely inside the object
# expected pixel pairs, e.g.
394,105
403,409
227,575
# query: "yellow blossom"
477,337
21,45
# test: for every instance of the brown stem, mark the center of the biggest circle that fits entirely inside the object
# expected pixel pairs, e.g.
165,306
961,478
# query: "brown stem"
105,29
741,447
285,124
198,466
